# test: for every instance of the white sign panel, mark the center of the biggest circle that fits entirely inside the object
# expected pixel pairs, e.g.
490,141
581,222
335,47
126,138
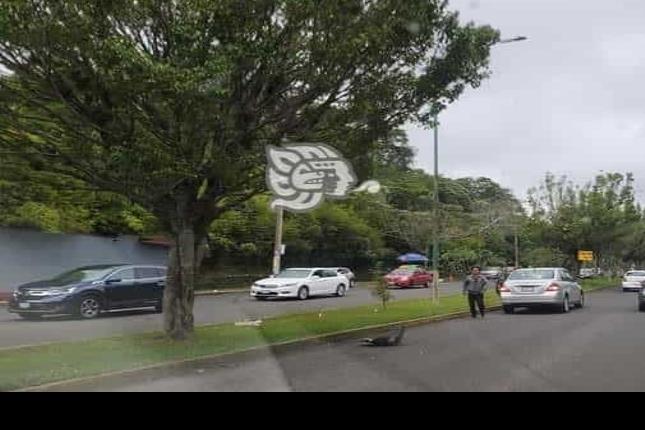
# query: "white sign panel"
302,176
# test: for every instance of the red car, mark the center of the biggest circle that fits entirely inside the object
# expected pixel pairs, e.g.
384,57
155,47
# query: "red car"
409,277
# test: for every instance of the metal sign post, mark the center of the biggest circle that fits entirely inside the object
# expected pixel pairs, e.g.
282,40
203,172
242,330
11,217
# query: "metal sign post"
277,251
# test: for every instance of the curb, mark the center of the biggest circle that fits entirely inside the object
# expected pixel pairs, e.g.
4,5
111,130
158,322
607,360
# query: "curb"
246,290
219,292
330,337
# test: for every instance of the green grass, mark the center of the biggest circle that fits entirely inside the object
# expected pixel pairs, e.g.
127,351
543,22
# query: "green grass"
57,362
599,283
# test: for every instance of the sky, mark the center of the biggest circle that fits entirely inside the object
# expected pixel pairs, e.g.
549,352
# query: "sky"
570,100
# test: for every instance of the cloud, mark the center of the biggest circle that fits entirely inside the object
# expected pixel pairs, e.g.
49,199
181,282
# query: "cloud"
570,100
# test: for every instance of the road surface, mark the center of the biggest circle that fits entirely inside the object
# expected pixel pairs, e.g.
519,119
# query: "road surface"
599,348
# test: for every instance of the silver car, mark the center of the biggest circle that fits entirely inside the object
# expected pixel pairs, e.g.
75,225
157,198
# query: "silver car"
633,280
549,286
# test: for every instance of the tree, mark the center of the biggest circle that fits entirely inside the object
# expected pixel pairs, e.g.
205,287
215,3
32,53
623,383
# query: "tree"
594,217
170,103
381,290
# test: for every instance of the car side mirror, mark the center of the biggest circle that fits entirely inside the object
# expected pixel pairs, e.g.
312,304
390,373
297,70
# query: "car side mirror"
315,277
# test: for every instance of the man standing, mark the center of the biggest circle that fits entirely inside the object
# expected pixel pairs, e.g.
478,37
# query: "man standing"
475,286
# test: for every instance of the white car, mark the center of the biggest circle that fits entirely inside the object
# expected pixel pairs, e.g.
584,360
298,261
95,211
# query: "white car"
346,272
633,280
301,284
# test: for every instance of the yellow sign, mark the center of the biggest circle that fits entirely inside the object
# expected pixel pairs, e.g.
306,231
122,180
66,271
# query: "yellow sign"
585,255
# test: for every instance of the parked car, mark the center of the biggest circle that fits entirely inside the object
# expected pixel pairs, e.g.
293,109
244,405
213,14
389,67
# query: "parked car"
407,277
87,291
633,280
301,284
553,287
492,273
641,300
587,273
348,273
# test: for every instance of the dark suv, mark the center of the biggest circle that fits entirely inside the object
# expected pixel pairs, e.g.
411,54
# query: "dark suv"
88,291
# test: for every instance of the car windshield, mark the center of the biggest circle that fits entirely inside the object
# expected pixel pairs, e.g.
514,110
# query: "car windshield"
636,274
293,274
80,275
534,274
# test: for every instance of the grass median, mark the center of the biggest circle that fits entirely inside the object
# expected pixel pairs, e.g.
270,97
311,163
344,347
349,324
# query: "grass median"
590,285
38,365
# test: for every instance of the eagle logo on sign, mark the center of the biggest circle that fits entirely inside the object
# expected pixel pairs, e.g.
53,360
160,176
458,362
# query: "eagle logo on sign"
301,176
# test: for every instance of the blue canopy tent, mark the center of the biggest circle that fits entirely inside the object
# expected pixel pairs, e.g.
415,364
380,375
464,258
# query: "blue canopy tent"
413,258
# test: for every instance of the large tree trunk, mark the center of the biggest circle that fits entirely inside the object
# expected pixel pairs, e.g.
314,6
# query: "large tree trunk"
184,261
180,284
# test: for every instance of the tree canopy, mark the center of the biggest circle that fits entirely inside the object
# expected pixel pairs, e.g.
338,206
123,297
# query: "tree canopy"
170,103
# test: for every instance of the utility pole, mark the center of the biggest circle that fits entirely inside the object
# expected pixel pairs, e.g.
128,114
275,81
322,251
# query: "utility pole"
277,250
437,227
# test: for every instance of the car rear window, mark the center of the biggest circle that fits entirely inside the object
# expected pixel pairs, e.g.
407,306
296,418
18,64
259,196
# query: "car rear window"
640,274
520,275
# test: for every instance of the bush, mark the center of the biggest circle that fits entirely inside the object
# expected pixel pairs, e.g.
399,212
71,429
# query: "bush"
381,290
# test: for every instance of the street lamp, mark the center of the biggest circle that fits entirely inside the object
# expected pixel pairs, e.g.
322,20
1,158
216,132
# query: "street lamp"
514,39
435,234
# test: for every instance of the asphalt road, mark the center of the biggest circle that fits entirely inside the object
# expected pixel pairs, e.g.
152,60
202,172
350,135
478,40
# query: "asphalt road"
599,348
208,310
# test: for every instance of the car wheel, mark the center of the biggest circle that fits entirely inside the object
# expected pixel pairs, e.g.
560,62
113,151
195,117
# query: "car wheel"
159,308
340,291
641,307
565,308
352,284
89,307
427,284
303,293
30,317
508,310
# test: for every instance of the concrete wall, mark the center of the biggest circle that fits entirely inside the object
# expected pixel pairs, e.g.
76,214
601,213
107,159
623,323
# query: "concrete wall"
27,255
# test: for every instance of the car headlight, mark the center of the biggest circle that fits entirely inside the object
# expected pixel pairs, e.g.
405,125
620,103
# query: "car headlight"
61,291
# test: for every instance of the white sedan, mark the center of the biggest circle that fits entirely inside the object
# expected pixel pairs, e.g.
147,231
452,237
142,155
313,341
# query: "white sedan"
633,280
301,284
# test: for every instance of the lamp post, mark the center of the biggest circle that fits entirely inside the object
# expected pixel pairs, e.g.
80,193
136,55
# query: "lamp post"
437,226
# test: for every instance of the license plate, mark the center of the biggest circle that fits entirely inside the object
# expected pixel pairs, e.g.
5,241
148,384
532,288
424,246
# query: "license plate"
528,289
24,305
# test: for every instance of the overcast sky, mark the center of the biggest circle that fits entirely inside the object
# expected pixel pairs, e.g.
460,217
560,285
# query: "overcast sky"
570,100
